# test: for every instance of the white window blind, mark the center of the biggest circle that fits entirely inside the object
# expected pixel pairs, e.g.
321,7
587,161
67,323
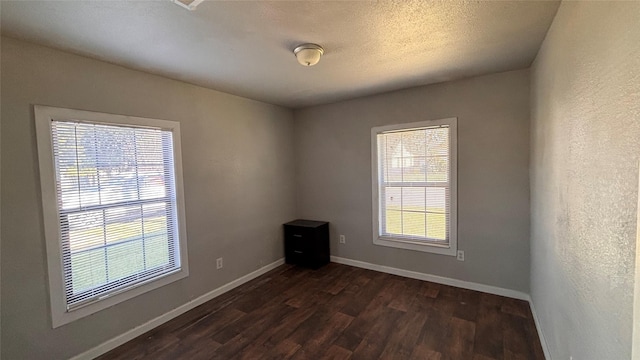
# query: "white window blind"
414,185
116,198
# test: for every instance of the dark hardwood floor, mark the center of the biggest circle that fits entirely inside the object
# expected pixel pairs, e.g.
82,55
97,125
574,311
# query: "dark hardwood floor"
343,312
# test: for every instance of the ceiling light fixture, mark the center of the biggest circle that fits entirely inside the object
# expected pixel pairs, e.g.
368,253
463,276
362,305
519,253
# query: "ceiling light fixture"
188,4
308,54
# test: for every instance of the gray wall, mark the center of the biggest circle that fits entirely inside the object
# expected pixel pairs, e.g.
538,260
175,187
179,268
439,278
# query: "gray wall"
333,174
238,175
585,146
0,201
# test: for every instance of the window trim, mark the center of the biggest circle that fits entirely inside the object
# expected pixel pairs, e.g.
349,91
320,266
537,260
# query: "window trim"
44,115
404,243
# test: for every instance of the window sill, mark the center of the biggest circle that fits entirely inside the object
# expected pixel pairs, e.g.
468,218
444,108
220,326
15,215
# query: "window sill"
60,316
415,246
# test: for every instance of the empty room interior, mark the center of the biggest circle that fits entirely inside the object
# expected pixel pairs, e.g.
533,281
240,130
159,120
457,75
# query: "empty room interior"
189,179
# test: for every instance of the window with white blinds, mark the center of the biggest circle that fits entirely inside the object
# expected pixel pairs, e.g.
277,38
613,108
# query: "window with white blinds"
116,204
415,186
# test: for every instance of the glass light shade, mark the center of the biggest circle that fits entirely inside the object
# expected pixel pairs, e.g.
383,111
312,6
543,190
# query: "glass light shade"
308,54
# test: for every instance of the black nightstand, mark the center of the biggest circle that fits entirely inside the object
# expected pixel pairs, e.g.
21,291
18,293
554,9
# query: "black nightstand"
306,243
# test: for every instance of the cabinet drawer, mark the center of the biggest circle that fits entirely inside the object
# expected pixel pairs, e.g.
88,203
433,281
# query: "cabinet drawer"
297,244
297,233
296,256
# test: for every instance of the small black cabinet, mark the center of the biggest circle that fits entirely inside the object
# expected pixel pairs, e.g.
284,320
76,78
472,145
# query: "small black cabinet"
306,243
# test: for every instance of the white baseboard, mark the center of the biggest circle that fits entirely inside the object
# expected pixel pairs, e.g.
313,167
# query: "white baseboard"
543,342
434,278
151,324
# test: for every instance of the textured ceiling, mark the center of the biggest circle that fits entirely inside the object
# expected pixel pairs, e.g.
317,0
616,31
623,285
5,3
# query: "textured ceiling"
245,47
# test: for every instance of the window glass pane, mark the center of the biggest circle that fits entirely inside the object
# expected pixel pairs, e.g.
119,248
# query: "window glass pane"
66,163
393,222
157,250
437,142
381,142
413,223
414,142
413,154
393,170
85,230
88,168
413,198
123,223
125,259
156,235
152,184
437,209
438,169
147,144
393,199
436,199
414,169
436,226
393,157
91,269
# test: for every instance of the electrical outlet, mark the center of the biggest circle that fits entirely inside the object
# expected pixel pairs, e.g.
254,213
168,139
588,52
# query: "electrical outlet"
219,263
343,239
460,256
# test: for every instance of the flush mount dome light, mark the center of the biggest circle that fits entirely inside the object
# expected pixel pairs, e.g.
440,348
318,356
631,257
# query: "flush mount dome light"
188,4
308,54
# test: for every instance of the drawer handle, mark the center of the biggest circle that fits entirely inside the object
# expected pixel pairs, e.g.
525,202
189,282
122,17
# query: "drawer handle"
296,235
297,252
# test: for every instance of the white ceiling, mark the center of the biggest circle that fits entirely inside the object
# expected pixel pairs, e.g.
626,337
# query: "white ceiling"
245,47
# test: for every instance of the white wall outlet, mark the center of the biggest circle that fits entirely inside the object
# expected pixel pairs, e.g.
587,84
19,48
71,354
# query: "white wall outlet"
460,256
219,263
343,239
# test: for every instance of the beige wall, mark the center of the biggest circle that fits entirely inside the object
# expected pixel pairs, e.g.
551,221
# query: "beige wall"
585,146
238,181
333,174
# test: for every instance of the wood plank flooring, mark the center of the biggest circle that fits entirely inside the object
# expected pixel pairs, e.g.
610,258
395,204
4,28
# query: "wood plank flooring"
343,312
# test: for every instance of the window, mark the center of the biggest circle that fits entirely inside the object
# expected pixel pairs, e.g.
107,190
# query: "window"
113,207
414,186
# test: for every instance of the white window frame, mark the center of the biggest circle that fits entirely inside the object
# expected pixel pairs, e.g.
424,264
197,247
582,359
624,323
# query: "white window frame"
406,243
44,115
